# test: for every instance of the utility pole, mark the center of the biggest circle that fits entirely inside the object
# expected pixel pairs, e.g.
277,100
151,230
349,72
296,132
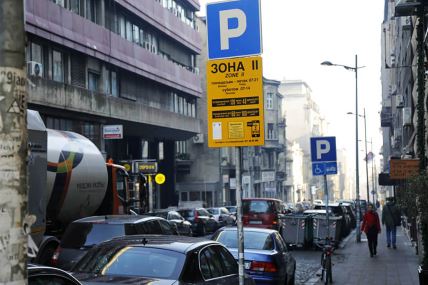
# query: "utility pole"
13,143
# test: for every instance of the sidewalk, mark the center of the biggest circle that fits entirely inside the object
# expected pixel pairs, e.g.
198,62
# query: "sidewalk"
354,266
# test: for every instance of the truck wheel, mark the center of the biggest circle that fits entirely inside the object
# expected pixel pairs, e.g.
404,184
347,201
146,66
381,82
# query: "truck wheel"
45,257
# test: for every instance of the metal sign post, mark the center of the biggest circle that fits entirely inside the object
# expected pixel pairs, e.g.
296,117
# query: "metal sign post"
327,198
239,217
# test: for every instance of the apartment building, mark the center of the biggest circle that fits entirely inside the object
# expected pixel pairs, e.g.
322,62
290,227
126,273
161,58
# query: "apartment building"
93,63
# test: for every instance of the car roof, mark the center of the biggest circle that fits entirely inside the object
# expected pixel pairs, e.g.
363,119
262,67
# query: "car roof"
330,204
182,244
261,199
249,229
36,269
117,219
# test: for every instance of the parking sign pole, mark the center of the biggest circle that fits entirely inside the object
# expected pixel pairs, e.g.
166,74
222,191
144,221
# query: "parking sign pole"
326,205
239,216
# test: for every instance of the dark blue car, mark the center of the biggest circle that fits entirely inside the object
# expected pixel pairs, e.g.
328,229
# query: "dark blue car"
266,257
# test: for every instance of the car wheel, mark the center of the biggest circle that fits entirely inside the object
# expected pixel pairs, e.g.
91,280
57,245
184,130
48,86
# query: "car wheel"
45,257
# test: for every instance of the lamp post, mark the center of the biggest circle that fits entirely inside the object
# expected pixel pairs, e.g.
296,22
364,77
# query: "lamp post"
357,174
365,149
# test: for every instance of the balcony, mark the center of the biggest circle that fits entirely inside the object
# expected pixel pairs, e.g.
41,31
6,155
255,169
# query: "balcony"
54,23
141,118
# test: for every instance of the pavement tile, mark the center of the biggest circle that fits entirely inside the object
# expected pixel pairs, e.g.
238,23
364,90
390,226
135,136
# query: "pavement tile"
354,266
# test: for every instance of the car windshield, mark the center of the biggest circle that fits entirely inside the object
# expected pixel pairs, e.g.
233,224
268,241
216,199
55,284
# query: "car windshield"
213,211
258,207
186,213
80,235
253,240
132,261
161,214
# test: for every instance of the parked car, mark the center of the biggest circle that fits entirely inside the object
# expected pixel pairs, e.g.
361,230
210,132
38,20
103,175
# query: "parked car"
43,275
158,260
263,213
231,209
222,216
174,218
202,221
266,258
350,211
84,233
339,211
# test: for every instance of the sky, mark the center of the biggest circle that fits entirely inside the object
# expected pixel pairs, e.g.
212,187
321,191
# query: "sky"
300,34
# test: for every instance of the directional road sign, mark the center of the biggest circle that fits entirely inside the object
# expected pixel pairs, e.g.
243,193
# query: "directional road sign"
323,155
234,29
235,102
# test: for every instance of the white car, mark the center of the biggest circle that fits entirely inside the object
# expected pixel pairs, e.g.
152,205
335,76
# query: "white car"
222,216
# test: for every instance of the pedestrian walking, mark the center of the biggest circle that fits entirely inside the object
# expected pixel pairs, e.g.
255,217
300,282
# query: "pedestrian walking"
377,204
391,218
371,226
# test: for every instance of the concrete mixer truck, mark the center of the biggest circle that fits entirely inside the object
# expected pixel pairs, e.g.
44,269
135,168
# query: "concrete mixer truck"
68,179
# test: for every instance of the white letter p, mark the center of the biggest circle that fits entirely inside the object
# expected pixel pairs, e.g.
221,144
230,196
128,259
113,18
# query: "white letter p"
225,32
323,147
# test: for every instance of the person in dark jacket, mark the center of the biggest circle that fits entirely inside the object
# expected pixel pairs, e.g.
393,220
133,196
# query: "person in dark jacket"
391,218
371,226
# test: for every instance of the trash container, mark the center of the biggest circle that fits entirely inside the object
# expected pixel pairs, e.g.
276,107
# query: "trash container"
297,229
320,228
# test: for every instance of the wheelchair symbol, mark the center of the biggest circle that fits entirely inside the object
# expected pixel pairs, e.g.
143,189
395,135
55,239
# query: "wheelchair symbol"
318,170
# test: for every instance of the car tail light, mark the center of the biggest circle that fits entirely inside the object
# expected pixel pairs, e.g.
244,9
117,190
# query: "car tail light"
263,266
196,217
55,256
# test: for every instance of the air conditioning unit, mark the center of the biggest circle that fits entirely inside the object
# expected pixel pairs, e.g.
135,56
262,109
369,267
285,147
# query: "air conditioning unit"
399,103
199,138
407,116
35,68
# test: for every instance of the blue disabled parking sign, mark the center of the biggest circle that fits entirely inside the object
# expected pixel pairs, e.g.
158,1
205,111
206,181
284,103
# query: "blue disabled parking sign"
234,29
323,156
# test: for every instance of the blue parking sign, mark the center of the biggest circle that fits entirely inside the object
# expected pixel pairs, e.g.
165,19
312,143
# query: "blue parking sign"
234,29
323,156
323,149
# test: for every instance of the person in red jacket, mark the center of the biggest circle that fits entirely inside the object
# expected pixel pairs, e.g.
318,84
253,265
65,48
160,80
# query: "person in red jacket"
371,226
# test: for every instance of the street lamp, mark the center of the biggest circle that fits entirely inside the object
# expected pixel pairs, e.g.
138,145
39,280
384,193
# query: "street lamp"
365,139
357,175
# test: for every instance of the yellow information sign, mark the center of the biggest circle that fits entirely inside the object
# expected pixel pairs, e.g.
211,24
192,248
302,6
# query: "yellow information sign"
235,102
160,178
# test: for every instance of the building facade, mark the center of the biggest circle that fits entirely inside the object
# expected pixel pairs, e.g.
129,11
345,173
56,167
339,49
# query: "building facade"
303,122
93,63
399,88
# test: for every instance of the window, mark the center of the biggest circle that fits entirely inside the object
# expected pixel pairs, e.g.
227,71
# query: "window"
210,264
129,31
59,2
269,101
114,85
166,228
229,263
91,10
122,26
270,131
93,80
36,53
57,66
136,33
74,6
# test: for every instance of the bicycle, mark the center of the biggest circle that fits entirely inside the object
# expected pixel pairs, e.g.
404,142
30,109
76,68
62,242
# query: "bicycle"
326,263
